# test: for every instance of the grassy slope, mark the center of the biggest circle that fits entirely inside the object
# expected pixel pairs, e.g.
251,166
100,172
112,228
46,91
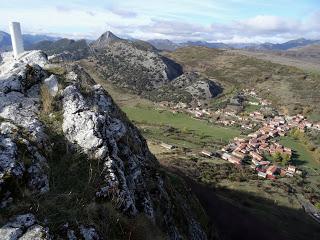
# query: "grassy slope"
284,85
180,121
303,155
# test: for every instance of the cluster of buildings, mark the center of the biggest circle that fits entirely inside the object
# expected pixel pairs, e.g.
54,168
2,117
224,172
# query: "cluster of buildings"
300,122
258,144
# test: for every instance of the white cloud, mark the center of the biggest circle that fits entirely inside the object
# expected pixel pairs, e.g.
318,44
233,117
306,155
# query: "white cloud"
268,24
80,22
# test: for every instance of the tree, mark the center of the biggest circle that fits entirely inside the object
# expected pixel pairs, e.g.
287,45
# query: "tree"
317,205
277,157
285,158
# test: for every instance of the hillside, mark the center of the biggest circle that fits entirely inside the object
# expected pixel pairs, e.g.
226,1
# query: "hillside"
294,89
72,166
311,52
138,67
305,58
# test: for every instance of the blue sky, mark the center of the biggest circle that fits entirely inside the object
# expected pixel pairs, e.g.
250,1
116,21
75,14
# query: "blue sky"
179,20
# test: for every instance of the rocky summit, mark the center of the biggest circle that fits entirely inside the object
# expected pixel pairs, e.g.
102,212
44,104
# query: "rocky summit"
72,166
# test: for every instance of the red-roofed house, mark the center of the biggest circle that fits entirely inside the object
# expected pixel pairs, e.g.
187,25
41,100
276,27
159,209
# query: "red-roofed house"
272,170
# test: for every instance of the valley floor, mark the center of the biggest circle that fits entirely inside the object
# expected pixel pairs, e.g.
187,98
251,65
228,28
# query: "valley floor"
239,205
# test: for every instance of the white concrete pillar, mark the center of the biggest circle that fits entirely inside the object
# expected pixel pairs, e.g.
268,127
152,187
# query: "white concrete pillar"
16,39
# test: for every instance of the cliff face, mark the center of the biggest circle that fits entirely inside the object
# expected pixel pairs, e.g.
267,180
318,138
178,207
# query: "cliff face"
73,167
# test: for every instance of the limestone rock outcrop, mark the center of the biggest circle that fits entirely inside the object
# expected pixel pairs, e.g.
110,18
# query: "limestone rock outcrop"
114,167
21,133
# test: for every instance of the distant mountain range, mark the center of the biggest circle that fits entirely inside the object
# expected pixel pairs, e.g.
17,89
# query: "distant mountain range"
44,42
301,42
167,45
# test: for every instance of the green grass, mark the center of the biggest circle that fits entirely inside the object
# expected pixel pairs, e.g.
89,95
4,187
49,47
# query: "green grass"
302,156
180,121
251,108
315,116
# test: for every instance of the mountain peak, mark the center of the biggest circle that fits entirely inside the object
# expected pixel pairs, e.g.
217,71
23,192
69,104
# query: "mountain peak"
105,39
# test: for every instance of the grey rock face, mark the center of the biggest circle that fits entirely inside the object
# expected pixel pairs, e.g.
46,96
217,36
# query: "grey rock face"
90,124
19,93
12,166
8,163
203,89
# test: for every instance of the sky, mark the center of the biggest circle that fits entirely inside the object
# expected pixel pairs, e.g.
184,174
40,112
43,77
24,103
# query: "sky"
230,21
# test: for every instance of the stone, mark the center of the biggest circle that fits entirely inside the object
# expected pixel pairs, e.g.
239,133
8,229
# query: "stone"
89,233
52,84
19,92
36,232
7,128
9,166
16,226
23,227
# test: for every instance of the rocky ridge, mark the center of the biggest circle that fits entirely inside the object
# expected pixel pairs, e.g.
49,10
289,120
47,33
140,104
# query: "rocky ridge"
128,175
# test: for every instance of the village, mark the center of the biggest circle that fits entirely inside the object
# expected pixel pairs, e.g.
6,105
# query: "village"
260,149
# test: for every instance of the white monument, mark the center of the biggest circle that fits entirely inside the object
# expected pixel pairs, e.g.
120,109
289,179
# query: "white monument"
16,39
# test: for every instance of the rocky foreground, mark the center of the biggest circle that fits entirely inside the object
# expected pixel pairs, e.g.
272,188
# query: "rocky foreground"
73,167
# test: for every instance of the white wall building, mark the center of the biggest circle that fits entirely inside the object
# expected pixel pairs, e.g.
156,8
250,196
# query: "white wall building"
16,39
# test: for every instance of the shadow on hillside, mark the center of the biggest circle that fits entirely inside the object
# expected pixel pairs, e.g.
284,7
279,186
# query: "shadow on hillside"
296,159
175,69
240,215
